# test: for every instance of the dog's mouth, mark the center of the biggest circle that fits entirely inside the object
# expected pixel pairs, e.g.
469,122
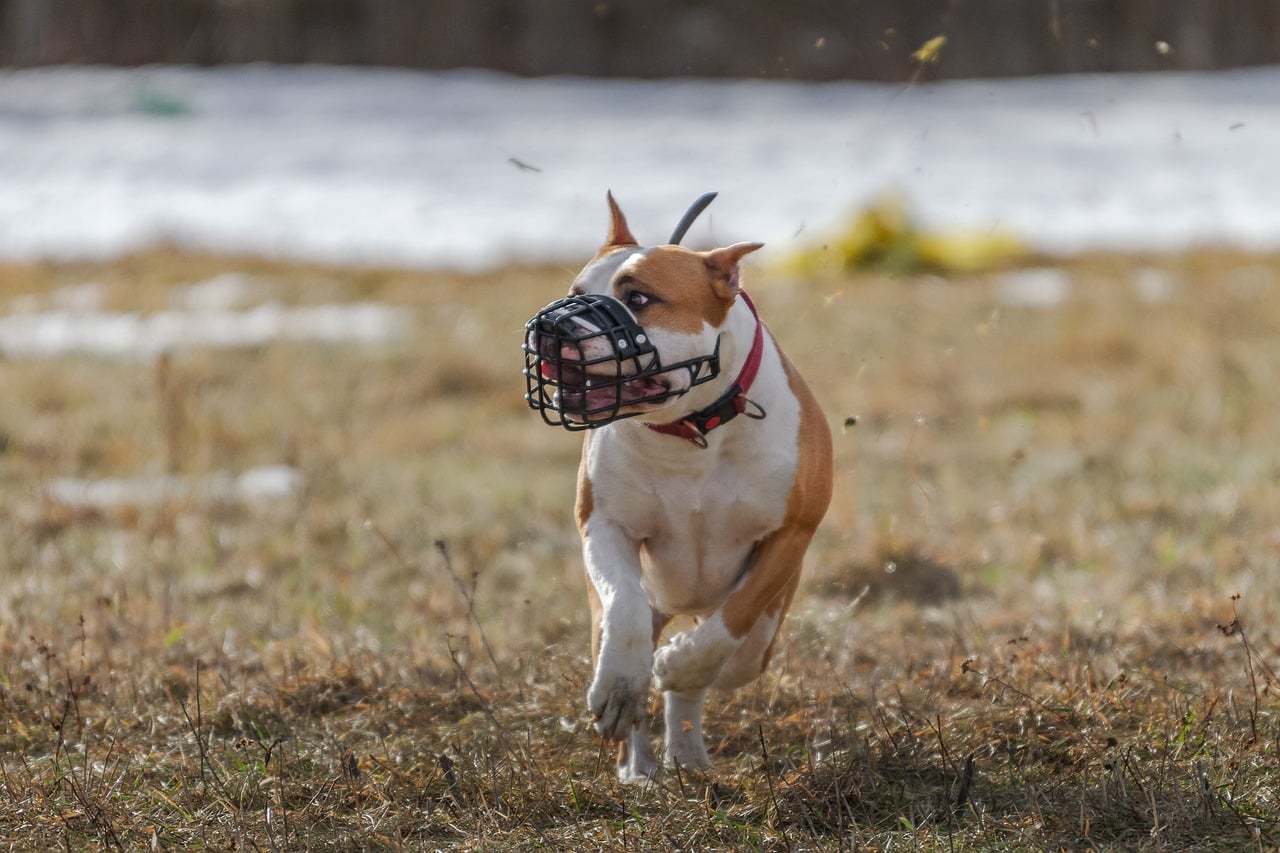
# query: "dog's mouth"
598,392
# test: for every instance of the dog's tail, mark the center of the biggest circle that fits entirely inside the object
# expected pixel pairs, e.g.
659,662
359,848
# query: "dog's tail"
694,211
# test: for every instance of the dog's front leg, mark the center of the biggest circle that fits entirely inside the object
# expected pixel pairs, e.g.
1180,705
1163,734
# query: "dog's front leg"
623,631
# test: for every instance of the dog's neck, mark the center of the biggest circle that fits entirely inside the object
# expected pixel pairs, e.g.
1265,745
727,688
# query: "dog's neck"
734,400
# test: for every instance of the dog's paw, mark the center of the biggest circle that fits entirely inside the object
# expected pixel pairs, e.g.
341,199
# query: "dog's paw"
637,763
689,661
618,704
684,747
686,751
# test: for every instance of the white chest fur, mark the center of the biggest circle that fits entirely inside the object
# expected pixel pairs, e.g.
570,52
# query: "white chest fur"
695,515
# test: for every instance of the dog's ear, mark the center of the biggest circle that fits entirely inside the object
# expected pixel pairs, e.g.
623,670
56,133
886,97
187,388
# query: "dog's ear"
723,264
619,233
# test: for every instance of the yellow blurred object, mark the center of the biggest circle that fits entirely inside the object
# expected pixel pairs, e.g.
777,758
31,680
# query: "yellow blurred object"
968,251
930,50
884,236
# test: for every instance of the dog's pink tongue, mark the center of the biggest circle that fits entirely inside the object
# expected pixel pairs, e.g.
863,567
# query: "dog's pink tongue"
547,370
621,394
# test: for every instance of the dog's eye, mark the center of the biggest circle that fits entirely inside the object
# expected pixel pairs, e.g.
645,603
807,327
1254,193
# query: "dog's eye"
636,300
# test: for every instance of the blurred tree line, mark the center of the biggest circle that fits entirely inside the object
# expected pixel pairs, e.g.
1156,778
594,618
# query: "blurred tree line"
803,39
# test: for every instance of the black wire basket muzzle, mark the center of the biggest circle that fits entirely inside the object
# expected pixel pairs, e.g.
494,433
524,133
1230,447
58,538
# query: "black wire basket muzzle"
586,360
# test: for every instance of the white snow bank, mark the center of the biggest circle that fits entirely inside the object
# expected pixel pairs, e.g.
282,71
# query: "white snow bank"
473,169
1035,287
267,483
50,334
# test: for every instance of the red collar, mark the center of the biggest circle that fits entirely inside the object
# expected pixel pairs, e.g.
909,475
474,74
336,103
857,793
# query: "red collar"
734,402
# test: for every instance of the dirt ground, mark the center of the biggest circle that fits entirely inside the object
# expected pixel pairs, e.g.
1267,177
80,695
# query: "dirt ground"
1039,615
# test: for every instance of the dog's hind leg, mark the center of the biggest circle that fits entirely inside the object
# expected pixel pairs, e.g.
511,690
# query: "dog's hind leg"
730,646
636,761
683,709
753,654
683,743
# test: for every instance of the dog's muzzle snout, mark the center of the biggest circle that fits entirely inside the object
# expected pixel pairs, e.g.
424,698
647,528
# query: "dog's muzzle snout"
586,360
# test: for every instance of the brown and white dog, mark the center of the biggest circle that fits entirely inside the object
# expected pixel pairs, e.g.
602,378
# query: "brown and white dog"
682,508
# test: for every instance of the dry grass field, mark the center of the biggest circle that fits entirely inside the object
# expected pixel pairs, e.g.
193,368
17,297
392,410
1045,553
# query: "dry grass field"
1040,614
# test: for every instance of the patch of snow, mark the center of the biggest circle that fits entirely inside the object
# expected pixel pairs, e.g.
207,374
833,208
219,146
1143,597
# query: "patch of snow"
1037,287
401,167
50,334
268,483
79,297
1153,285
223,292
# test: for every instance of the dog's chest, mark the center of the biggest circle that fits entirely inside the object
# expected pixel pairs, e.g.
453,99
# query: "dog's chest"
692,558
696,527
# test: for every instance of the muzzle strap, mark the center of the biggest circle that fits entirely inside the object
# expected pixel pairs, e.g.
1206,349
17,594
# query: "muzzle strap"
694,427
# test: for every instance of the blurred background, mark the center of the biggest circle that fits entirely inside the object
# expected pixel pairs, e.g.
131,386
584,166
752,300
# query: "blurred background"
803,40
468,135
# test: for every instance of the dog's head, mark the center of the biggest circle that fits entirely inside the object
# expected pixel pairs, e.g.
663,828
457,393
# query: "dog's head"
639,329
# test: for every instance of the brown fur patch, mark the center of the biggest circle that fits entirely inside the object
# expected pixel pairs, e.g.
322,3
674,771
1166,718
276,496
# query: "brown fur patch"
597,615
582,509
772,581
682,285
813,481
585,502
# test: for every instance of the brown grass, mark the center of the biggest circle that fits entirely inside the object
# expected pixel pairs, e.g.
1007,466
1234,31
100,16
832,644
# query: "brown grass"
1039,615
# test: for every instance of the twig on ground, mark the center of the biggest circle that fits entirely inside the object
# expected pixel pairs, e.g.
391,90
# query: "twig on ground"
1235,628
468,596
